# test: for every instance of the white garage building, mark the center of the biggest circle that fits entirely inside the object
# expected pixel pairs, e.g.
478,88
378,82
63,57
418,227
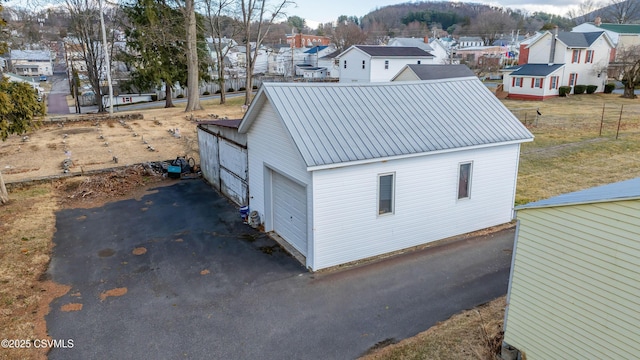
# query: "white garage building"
344,172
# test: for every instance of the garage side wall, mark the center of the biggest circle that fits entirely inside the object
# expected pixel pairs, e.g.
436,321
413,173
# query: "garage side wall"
347,226
575,289
272,150
224,162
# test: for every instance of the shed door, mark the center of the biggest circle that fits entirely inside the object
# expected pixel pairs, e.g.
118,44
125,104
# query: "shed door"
290,212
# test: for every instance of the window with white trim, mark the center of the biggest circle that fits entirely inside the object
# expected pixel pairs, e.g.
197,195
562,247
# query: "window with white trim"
386,64
464,180
575,58
345,64
363,63
517,81
537,83
386,187
589,57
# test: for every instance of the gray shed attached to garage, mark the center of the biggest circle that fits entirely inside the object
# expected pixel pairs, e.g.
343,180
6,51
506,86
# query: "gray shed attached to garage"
223,158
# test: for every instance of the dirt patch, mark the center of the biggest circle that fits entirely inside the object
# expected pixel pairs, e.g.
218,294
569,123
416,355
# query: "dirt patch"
139,251
205,272
113,292
71,307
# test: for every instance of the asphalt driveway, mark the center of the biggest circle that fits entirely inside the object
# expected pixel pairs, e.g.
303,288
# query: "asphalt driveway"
175,274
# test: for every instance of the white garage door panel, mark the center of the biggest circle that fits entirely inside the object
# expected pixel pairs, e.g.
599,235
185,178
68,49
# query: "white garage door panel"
290,212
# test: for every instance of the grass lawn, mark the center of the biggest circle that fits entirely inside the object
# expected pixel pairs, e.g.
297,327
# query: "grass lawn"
568,154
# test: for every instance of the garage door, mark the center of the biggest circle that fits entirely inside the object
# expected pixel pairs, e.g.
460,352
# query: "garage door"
290,212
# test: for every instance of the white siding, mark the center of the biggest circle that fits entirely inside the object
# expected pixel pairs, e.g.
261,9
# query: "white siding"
346,224
354,71
270,147
380,74
575,291
209,158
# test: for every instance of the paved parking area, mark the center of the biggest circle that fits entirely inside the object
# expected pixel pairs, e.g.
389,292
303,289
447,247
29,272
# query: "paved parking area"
175,274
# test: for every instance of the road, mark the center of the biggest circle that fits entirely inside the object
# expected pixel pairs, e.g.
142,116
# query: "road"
209,287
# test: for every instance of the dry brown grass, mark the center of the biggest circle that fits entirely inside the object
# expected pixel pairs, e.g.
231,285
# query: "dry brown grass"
471,334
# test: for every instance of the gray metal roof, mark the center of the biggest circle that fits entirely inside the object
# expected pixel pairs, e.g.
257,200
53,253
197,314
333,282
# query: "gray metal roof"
345,122
536,69
411,42
435,72
376,50
580,40
623,190
35,55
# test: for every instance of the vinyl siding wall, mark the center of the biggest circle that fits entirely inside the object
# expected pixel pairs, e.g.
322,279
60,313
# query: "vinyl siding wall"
346,226
575,290
354,71
380,74
271,148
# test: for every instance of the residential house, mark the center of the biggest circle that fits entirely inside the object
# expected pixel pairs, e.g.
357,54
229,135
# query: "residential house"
432,46
623,36
332,63
574,289
286,60
31,62
314,54
556,59
304,40
343,171
413,72
471,55
364,63
470,41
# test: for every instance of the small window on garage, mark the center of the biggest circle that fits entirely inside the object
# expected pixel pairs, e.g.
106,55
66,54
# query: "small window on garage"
464,181
386,185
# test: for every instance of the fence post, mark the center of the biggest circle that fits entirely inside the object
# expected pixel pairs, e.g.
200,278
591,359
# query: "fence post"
602,119
619,120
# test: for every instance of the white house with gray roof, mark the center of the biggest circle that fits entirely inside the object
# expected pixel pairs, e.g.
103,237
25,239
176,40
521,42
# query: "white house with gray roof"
368,63
343,172
31,62
574,289
552,60
432,46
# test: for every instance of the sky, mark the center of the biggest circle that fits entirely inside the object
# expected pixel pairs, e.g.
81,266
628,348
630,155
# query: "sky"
322,11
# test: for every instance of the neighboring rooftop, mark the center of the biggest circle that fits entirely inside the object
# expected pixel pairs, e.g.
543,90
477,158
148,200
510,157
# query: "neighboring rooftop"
623,190
398,51
35,55
435,72
620,28
576,39
535,69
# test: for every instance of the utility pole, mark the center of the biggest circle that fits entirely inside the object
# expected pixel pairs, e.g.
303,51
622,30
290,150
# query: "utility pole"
105,50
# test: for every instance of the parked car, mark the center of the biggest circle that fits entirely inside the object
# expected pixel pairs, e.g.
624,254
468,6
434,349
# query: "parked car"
43,78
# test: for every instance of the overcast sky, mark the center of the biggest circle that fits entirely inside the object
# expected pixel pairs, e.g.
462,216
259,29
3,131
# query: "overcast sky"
316,11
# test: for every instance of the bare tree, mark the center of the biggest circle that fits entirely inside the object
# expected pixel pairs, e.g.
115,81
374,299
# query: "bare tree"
255,18
585,12
86,30
217,12
490,25
622,11
347,34
628,59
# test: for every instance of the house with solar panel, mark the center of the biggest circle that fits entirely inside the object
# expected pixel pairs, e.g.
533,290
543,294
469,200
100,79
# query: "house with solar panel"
574,289
369,63
554,59
340,172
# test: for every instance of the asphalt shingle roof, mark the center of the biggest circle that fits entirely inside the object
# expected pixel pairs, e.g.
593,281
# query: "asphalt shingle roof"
623,190
536,69
345,122
576,39
435,72
393,50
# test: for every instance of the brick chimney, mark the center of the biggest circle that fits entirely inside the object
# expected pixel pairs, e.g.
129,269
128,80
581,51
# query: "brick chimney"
426,39
597,21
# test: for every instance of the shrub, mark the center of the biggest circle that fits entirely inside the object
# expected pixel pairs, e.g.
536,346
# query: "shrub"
206,93
231,90
608,88
218,91
242,89
579,89
591,89
564,90
180,96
